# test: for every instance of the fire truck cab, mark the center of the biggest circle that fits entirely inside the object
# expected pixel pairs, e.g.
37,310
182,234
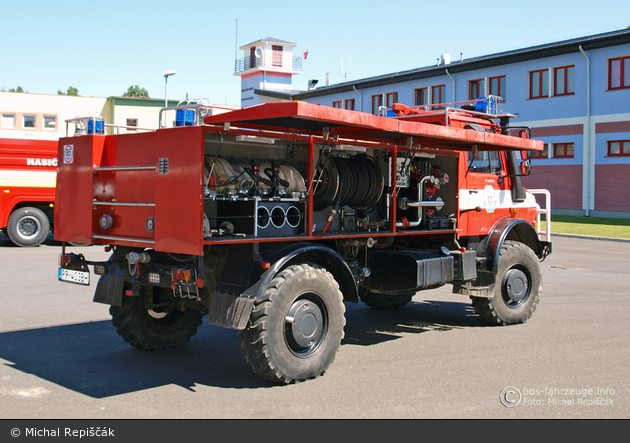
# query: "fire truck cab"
268,218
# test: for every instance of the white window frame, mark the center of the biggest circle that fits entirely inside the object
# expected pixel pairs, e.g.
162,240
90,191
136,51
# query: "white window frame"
46,128
5,118
28,128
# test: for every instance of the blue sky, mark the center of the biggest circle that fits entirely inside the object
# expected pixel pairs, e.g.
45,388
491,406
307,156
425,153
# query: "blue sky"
102,48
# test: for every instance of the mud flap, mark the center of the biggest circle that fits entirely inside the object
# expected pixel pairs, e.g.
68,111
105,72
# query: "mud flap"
109,290
230,310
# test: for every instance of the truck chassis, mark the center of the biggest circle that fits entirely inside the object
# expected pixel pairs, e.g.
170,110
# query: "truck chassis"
268,219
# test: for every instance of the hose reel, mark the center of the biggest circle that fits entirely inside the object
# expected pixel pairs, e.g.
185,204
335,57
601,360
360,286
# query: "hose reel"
356,182
266,178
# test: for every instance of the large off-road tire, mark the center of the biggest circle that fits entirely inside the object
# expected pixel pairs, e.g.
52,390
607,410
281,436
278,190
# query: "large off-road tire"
384,301
28,227
297,327
517,287
151,330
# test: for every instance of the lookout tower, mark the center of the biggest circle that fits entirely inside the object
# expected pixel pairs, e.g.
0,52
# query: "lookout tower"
268,65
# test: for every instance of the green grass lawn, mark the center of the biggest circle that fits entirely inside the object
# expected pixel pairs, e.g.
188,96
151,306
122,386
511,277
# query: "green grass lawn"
591,226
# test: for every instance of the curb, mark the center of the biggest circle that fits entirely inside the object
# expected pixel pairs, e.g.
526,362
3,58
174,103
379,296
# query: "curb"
589,237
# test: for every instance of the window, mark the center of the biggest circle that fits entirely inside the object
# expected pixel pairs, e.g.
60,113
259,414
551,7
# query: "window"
563,150
276,56
438,94
497,86
476,89
132,122
349,104
336,104
564,80
539,84
485,162
8,121
391,97
28,121
50,122
619,73
421,97
541,154
377,101
618,148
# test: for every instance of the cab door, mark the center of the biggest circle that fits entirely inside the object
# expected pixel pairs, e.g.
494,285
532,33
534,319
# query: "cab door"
484,196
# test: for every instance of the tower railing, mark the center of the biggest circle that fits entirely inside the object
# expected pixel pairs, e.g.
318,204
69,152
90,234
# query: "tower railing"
250,62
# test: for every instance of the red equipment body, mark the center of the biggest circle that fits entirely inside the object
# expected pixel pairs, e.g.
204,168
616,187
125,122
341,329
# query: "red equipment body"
124,170
281,211
28,170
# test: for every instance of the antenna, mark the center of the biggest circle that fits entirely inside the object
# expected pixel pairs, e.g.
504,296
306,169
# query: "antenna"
236,43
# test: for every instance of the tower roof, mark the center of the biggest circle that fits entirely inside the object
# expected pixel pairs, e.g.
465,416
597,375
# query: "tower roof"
270,40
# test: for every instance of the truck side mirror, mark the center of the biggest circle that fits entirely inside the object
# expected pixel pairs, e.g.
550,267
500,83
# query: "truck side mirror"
526,167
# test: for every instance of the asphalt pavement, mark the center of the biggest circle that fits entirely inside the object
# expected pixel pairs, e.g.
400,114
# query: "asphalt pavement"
60,356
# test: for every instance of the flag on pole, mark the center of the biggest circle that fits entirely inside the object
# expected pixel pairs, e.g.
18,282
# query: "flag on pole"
306,53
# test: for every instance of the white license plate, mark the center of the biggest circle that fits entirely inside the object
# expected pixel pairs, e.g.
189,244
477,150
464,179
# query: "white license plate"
72,276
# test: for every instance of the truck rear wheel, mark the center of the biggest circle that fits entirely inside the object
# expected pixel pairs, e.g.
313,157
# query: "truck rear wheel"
384,301
28,227
517,287
297,327
153,330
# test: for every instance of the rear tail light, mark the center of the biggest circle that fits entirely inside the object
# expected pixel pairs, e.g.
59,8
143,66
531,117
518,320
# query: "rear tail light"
186,283
182,275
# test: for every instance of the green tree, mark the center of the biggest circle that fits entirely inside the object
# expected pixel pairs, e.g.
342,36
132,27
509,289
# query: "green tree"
19,89
71,91
136,91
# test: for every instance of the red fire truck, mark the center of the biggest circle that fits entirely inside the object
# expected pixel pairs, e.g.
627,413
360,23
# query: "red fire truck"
268,218
28,169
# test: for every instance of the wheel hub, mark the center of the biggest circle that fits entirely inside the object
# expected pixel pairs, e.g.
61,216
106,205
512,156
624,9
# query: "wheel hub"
305,324
28,227
515,287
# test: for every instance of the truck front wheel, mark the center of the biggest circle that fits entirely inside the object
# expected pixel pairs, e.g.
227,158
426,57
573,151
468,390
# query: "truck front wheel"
28,227
517,287
150,329
297,327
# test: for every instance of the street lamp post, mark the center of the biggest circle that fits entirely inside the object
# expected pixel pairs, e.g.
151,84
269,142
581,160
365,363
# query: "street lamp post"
166,75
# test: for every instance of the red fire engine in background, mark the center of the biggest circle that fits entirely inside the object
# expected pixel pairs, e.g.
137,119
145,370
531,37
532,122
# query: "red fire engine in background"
28,170
268,218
